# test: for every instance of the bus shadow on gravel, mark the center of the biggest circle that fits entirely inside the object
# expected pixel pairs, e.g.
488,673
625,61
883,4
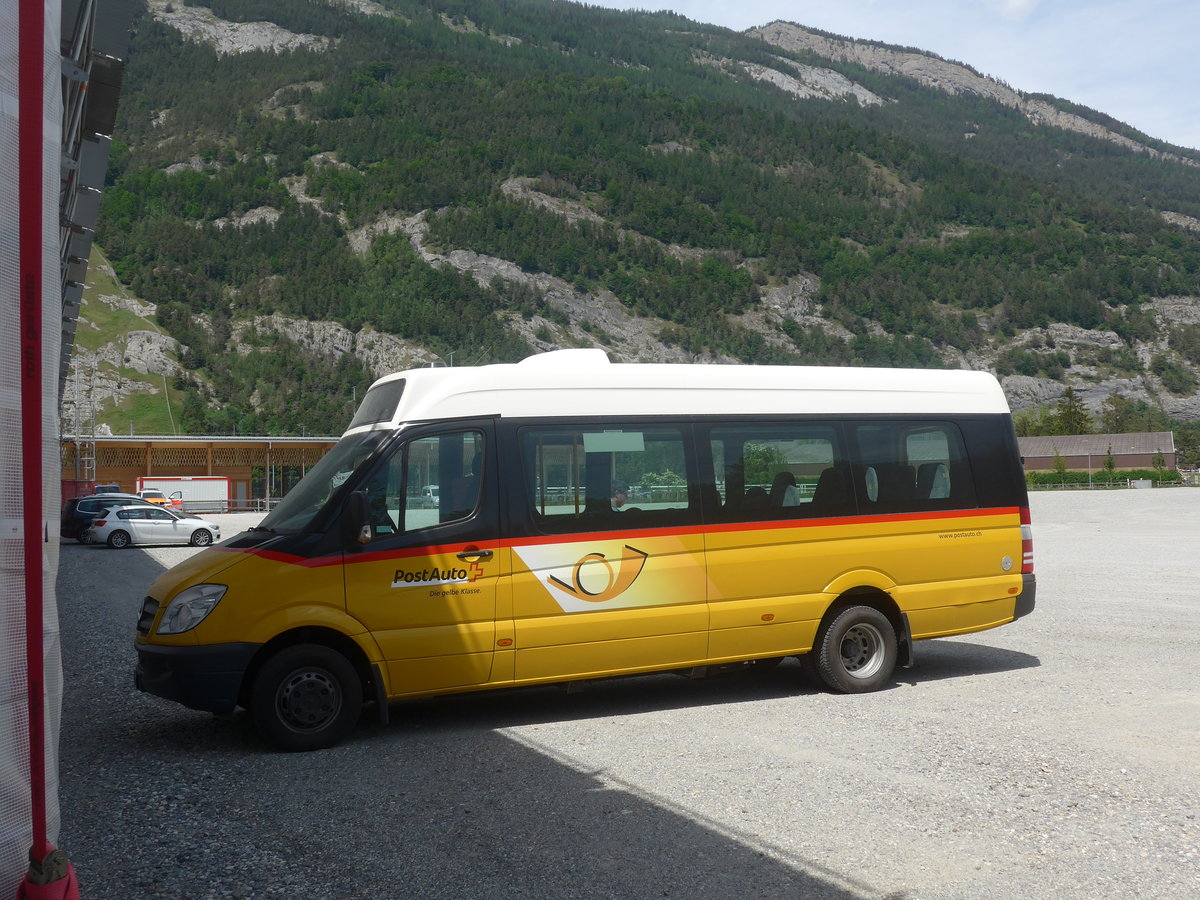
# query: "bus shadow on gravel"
941,659
488,710
172,729
600,698
421,810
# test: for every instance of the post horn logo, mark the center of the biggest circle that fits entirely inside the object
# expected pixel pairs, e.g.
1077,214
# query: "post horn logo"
616,582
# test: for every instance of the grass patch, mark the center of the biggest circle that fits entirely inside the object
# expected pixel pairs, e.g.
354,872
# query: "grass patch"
105,324
147,413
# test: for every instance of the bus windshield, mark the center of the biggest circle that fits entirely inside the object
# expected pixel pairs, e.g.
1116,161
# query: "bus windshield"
306,499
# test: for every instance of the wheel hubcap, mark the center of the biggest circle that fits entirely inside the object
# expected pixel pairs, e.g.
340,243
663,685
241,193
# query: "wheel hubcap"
308,700
862,650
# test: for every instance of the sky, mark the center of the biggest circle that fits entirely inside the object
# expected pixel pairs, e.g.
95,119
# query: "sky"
1135,60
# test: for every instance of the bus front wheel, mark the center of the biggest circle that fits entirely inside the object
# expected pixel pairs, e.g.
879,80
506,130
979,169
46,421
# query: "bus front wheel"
855,652
306,697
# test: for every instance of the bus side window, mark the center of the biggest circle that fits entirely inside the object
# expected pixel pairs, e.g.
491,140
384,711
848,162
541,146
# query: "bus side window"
432,480
779,471
382,512
943,479
907,466
607,477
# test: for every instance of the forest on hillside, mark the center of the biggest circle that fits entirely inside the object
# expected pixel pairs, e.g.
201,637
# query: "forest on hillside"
922,242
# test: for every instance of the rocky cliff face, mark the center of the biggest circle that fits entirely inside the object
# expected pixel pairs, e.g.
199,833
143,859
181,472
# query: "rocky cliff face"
381,353
942,75
591,320
119,351
801,81
201,25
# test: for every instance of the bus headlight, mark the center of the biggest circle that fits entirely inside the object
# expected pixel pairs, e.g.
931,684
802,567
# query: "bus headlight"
189,607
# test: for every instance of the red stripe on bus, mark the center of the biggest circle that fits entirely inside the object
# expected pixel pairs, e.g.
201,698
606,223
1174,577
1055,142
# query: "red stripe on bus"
624,534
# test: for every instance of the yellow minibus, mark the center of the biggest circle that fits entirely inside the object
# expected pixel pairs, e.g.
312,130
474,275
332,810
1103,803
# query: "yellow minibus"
567,518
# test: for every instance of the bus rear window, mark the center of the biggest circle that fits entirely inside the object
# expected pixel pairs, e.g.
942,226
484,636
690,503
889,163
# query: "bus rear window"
907,466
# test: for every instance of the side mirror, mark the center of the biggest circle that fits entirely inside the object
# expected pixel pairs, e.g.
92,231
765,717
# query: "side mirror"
358,518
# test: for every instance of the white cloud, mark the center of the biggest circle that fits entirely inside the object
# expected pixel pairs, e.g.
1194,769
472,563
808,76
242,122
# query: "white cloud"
1016,10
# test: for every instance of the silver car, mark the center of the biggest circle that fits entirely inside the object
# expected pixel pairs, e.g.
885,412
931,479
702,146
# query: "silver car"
121,526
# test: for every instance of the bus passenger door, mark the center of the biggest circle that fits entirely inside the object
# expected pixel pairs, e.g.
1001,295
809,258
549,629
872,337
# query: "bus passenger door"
609,574
779,507
425,585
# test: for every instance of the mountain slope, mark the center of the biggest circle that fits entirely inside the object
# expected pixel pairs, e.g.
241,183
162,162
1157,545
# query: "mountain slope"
474,181
931,71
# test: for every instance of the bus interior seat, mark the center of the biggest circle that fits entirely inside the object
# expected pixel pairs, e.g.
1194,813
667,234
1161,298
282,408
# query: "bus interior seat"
896,482
933,481
831,495
756,499
597,506
780,486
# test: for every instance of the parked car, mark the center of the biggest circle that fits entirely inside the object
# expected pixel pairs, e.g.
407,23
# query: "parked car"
121,526
424,498
79,512
154,495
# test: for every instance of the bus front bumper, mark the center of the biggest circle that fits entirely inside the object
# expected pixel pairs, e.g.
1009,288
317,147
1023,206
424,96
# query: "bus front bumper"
204,678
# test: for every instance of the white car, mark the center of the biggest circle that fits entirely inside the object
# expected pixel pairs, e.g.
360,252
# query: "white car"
121,526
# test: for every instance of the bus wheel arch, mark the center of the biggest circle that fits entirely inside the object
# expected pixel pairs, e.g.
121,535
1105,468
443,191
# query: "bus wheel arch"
861,639
305,688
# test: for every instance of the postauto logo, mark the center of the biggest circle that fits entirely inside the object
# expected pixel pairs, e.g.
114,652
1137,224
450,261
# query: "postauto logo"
433,576
594,579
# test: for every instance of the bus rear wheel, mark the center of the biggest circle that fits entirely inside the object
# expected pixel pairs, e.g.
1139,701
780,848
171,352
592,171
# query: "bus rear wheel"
306,697
855,651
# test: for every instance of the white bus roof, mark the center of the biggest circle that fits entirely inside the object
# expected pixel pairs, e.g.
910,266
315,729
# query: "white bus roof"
585,383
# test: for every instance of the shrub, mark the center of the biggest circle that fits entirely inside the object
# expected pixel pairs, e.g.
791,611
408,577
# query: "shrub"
1117,477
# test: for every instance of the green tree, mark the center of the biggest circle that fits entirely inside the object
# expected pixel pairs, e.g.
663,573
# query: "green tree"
1040,420
762,462
665,478
1060,465
1071,415
1116,415
1176,377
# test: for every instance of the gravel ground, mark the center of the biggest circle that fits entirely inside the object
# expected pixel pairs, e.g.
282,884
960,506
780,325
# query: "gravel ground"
1054,758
